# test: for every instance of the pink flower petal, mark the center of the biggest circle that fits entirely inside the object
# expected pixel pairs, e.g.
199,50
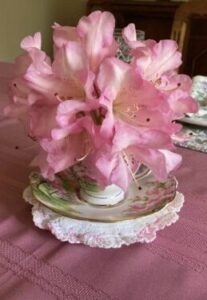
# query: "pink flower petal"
31,42
64,153
47,85
130,37
127,135
121,82
181,103
41,161
67,111
121,175
96,32
71,64
154,160
159,59
172,160
111,77
63,34
172,81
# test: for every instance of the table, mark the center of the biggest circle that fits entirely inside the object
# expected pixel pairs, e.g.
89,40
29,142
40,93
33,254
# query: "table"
34,265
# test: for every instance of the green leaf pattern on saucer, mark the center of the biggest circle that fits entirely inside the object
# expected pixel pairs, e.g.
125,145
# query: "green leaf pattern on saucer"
143,198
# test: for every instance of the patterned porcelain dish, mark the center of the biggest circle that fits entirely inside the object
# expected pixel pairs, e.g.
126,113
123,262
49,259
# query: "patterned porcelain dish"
199,89
148,207
63,196
192,137
199,118
199,92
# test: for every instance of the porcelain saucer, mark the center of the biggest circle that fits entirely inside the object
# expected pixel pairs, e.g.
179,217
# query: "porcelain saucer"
142,199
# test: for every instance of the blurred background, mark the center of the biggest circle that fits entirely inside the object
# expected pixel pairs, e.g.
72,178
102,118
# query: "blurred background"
19,18
185,21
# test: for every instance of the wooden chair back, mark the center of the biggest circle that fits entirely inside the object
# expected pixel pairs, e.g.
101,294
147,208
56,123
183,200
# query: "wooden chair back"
181,19
189,32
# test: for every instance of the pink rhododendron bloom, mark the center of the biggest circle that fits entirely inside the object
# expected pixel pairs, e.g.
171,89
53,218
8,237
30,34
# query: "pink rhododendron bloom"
95,35
130,146
28,105
157,59
124,96
69,144
153,59
88,106
61,154
158,63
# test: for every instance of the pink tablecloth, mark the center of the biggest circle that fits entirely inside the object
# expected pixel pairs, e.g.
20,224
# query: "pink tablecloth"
34,265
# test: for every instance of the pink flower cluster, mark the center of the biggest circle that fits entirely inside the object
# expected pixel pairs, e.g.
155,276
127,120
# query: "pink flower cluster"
87,105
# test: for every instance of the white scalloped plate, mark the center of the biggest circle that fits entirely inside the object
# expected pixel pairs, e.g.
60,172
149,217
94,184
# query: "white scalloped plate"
104,235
